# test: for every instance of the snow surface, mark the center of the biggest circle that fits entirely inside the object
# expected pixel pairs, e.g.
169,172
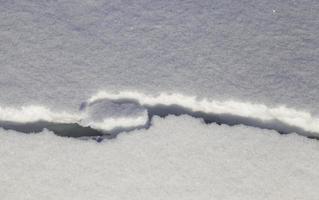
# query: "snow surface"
55,55
261,112
106,115
128,110
58,54
256,59
177,158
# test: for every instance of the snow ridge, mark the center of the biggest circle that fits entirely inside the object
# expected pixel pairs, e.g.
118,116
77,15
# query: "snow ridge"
112,113
32,113
285,119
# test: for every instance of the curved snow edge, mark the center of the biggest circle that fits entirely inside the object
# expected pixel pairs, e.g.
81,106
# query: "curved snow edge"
271,118
283,114
121,122
27,114
31,115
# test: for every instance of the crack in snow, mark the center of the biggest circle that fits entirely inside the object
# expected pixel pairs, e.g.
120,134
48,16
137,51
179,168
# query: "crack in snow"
105,115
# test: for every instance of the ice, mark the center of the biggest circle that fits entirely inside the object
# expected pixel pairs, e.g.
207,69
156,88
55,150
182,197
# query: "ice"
177,158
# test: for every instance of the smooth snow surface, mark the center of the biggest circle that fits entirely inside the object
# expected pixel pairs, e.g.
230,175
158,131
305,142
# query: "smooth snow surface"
177,158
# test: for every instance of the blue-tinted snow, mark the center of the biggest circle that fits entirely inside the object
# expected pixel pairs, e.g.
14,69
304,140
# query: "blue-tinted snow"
59,53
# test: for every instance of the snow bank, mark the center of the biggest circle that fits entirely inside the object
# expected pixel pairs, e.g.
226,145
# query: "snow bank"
177,158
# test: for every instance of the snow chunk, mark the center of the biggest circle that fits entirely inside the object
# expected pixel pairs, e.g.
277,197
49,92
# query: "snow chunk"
106,115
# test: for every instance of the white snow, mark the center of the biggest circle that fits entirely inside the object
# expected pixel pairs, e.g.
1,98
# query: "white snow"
177,158
283,114
102,115
33,113
106,115
223,57
122,122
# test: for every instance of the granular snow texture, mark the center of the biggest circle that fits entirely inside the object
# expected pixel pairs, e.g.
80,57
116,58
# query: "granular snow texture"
177,158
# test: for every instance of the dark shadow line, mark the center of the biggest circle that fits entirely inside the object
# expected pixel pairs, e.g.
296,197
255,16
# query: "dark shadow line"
77,131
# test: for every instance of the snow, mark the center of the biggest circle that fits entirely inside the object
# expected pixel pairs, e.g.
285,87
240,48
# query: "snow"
108,64
177,158
128,110
106,115
103,115
57,54
32,113
261,112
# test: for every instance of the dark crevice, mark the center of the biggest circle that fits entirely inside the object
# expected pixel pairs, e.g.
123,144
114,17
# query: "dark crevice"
73,130
61,129
77,131
227,119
